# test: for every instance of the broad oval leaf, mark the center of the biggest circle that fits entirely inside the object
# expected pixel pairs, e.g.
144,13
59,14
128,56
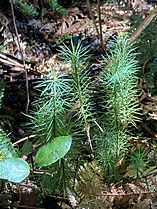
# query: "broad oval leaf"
53,151
14,169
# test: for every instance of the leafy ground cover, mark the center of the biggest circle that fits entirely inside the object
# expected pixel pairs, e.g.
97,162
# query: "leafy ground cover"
33,53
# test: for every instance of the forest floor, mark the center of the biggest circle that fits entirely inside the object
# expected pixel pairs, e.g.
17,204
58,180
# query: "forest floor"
35,50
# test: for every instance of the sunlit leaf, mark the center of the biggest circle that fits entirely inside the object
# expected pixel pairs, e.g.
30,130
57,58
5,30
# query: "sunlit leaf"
14,169
53,151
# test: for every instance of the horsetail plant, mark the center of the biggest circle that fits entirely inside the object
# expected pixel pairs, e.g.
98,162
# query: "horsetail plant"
64,102
48,118
119,79
78,59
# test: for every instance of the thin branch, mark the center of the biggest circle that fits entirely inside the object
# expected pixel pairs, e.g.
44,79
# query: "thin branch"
23,59
100,26
23,139
92,17
4,59
143,25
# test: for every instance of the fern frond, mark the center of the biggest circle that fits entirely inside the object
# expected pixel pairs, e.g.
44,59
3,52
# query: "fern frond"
26,8
54,5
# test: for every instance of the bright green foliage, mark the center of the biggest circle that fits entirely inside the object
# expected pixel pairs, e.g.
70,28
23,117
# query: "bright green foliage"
64,100
78,59
14,169
139,160
53,151
54,5
48,120
111,147
119,79
11,168
65,107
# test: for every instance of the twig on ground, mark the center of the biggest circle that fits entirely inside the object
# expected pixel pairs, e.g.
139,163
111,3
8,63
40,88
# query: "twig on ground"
23,59
23,139
143,25
100,26
4,59
92,17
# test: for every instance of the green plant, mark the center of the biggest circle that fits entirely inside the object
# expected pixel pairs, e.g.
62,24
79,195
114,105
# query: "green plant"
26,8
53,151
63,107
12,168
81,92
48,118
48,123
139,160
54,5
119,79
2,47
30,10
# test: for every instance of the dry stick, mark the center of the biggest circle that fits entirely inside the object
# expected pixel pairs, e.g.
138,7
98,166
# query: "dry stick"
9,61
23,139
20,206
143,25
23,60
92,17
100,26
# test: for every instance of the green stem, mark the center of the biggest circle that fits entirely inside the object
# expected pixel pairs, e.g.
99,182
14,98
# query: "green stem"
116,121
79,93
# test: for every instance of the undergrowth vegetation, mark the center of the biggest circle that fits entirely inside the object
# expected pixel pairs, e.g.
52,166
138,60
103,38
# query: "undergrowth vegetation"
66,106
78,119
30,10
119,80
78,112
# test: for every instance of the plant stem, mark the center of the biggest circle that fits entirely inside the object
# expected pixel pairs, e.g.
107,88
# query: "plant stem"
116,121
100,26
